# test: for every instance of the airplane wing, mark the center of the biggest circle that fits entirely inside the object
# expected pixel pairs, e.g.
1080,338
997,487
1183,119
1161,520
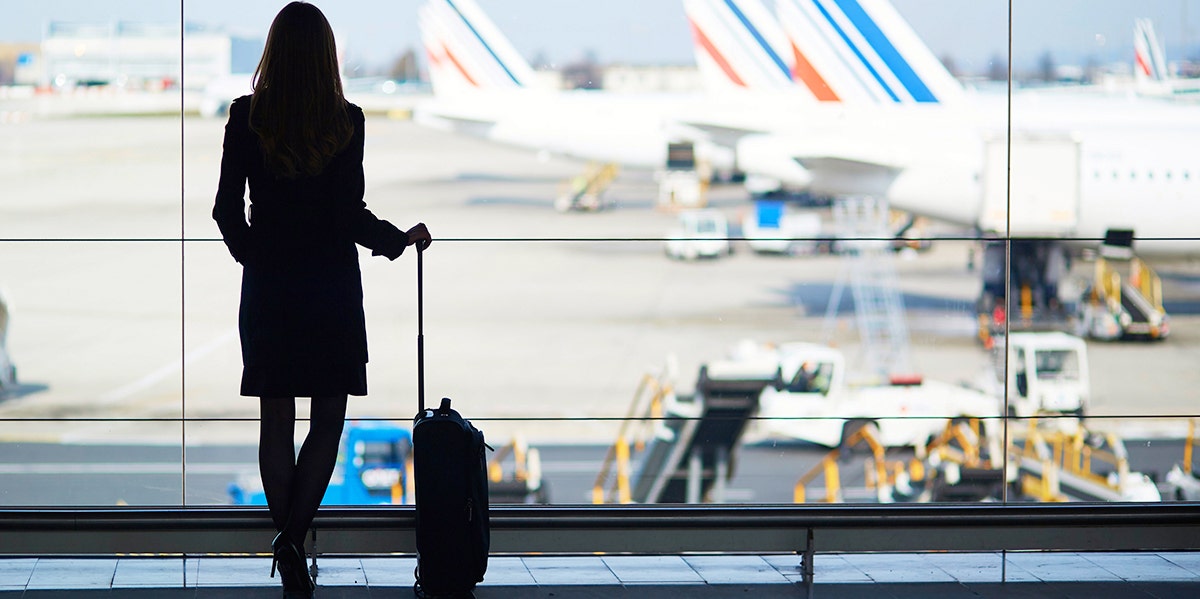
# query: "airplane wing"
723,135
844,166
439,117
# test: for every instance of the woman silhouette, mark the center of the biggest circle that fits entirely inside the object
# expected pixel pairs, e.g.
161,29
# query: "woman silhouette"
299,145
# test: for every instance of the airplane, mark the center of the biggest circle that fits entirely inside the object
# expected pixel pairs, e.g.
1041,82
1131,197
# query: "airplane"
483,88
1150,73
740,47
900,128
1083,168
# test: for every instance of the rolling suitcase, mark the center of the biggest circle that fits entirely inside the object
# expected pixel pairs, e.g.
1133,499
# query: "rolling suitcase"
450,471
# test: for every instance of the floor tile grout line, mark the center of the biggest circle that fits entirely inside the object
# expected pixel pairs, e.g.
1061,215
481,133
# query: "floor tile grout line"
1117,574
1195,572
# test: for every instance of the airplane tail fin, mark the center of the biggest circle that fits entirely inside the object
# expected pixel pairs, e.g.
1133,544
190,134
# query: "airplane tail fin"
467,52
739,45
864,51
1149,62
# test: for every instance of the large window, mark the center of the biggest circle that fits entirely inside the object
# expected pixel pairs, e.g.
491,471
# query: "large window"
837,254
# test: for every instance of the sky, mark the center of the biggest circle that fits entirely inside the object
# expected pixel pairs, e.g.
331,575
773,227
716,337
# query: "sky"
655,31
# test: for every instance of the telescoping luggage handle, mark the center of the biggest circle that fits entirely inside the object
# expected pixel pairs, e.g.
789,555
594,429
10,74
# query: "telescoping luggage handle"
420,333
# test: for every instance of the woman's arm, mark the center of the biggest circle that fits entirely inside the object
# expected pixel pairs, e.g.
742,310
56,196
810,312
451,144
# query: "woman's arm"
368,230
229,209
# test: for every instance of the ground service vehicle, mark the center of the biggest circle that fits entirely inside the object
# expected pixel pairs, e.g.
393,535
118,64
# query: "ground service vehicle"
699,234
809,398
1047,374
775,227
371,468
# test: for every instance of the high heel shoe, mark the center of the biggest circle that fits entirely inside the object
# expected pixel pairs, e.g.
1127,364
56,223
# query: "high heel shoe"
293,572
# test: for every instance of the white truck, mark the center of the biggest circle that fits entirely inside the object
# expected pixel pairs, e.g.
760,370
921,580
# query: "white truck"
774,227
807,398
1047,374
699,234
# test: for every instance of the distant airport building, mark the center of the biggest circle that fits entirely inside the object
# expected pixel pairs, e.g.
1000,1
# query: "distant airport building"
651,79
140,55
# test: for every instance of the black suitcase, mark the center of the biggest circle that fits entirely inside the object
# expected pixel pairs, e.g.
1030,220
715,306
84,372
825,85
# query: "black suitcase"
450,472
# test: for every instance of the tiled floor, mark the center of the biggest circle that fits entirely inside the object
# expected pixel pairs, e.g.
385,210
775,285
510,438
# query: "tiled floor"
874,576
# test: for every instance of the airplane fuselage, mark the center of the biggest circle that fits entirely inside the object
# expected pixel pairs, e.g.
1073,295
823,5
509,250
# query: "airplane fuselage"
1136,167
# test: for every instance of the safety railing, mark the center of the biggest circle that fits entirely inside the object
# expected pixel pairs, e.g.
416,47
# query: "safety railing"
876,469
1147,282
666,529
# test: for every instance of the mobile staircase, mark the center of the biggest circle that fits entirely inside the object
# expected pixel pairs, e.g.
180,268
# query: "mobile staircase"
685,450
1123,301
586,191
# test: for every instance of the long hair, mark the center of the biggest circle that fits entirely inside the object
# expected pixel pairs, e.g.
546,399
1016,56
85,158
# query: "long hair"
298,108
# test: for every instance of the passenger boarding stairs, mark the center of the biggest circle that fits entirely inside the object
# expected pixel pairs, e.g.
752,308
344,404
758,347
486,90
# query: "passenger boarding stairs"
865,240
687,455
586,191
1125,306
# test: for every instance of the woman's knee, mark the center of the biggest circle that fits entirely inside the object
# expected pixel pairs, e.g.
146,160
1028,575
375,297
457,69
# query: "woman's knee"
328,414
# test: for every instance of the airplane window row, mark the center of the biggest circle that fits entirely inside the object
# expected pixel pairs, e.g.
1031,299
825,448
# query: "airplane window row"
1133,175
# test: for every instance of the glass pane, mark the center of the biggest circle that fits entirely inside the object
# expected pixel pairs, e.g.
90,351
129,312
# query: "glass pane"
222,461
73,166
214,361
93,328
84,463
1106,458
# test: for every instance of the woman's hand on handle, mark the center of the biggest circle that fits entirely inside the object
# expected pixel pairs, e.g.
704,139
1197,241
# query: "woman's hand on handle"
419,236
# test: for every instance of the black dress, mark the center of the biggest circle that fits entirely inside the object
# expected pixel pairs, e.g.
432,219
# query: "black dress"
301,319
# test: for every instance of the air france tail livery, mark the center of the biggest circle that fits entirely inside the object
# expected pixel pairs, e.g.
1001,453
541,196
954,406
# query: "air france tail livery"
862,51
466,51
1151,75
739,46
1149,63
483,87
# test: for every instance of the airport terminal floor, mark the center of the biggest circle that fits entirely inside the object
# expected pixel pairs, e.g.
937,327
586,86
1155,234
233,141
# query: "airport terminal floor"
922,575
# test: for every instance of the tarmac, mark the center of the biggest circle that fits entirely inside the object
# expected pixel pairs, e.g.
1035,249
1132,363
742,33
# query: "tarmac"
543,322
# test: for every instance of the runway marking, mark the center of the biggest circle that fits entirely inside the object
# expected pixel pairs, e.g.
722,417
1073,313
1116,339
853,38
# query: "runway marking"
122,393
229,468
564,467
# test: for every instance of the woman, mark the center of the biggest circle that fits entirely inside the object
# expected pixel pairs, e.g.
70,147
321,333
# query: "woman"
299,145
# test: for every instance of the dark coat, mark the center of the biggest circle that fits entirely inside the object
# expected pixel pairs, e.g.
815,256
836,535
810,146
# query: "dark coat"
301,320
